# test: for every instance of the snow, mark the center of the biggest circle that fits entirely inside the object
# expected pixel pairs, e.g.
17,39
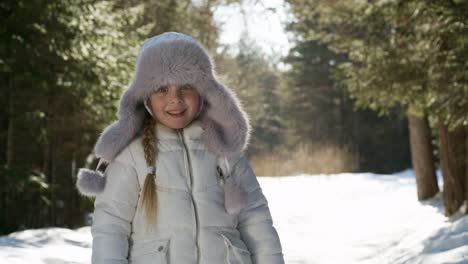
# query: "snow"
343,218
46,246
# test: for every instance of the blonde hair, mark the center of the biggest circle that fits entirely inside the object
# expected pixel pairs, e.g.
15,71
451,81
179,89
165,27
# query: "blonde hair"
148,201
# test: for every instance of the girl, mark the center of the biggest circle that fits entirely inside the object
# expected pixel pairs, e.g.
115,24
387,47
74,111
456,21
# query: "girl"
177,188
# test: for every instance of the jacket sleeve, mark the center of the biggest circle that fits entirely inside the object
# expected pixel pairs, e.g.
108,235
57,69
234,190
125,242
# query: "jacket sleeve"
255,222
114,211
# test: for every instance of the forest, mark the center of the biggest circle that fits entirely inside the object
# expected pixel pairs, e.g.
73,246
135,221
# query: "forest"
370,86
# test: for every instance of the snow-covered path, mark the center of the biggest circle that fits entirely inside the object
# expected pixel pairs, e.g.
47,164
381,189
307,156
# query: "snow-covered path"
344,218
361,218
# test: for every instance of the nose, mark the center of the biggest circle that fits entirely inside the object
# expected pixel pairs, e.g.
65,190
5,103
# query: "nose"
174,96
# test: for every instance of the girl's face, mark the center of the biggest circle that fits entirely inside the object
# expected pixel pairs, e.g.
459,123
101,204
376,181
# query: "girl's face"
175,107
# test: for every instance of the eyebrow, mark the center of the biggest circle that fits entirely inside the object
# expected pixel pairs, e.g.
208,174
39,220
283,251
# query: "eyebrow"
178,86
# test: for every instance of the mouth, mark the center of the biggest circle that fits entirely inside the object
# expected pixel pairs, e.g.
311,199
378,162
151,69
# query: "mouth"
176,113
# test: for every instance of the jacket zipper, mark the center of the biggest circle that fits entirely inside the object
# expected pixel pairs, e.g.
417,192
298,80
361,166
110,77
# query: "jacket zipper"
187,155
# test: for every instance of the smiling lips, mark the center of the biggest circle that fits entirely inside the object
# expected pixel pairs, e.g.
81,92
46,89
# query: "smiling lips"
176,113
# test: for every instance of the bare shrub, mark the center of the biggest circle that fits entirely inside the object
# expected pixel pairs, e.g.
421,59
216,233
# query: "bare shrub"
305,159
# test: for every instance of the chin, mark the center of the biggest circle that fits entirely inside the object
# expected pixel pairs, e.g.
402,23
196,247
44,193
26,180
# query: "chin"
178,125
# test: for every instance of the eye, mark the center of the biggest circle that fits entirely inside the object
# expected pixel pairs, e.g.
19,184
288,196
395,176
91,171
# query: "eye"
162,90
187,88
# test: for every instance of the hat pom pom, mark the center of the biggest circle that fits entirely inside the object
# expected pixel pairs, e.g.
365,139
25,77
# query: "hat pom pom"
90,182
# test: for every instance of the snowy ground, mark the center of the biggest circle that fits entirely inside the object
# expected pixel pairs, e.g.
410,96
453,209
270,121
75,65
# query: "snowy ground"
345,218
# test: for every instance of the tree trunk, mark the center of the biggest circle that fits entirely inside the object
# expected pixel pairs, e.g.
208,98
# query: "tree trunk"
452,159
422,157
49,155
466,169
11,129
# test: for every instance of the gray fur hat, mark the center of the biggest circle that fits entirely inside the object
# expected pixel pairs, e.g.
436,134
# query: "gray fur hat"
172,59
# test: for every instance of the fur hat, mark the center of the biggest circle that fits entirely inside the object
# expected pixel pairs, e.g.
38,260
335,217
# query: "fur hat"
171,59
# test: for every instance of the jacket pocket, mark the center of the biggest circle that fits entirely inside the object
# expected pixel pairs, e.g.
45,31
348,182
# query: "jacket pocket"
236,252
150,251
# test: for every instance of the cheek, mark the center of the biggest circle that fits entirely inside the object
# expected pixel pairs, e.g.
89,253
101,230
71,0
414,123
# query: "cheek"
157,105
193,101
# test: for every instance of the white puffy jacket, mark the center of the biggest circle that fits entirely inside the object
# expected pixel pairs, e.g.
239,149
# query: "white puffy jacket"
192,225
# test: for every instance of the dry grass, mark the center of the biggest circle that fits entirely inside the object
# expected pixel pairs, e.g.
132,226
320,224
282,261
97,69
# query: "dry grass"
307,159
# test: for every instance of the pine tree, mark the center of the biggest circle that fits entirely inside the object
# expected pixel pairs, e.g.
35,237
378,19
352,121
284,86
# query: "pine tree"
406,53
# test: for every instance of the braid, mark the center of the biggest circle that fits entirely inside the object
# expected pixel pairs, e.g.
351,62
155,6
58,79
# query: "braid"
149,189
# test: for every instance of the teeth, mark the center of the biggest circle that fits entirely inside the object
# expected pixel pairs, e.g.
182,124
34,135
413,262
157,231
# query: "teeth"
175,112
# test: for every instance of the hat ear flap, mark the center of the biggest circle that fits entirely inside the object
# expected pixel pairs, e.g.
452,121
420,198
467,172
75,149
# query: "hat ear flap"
226,125
117,135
